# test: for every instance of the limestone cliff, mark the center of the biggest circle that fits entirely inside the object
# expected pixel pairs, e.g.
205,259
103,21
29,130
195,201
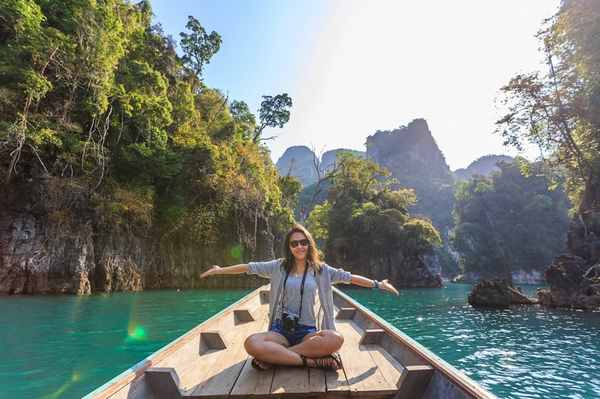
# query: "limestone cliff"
55,239
329,157
574,277
403,271
483,166
411,154
298,161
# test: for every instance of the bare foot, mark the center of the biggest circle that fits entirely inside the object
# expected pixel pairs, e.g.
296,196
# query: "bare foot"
331,362
260,365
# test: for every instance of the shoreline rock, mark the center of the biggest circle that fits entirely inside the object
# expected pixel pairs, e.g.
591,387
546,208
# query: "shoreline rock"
573,284
497,294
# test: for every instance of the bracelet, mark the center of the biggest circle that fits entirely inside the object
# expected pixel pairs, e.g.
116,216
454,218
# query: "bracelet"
376,284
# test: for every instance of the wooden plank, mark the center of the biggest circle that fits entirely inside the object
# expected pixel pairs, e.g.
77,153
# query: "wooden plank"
391,369
195,363
163,381
215,373
345,313
134,376
412,352
414,381
363,375
211,340
251,381
290,381
316,381
336,381
372,336
264,296
242,316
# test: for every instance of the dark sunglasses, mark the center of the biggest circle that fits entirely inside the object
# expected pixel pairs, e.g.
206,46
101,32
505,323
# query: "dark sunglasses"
303,242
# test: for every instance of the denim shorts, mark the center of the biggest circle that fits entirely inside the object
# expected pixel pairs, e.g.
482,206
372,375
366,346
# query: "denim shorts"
295,337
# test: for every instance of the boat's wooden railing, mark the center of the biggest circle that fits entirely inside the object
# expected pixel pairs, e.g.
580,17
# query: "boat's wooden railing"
423,369
201,333
410,369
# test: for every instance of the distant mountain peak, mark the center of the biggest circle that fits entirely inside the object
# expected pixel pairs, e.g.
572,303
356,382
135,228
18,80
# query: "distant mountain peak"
299,161
407,149
483,166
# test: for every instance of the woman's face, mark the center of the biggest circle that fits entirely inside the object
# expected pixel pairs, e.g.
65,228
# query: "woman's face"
299,245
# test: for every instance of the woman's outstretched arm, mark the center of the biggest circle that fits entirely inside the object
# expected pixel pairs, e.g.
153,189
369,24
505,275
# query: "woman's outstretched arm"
367,282
235,269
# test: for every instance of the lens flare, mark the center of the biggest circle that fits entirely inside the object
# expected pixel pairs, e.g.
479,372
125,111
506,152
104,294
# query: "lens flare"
236,252
136,333
75,377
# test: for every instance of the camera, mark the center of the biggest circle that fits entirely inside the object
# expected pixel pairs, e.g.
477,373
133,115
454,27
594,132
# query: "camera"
289,321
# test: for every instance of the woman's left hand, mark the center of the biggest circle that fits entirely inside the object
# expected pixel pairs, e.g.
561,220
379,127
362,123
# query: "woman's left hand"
385,285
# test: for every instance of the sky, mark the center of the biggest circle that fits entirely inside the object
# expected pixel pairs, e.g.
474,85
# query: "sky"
353,67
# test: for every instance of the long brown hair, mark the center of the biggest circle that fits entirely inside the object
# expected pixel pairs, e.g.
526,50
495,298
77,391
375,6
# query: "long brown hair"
312,257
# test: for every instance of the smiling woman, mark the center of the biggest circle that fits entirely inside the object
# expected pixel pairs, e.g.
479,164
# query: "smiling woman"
293,336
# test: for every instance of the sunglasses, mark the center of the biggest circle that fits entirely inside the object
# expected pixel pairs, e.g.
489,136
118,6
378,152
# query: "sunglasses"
295,243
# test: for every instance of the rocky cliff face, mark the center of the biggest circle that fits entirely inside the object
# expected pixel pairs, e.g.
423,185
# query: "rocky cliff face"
298,161
483,166
574,277
402,271
412,156
53,239
328,158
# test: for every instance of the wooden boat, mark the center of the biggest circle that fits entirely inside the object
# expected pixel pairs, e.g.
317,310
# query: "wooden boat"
210,361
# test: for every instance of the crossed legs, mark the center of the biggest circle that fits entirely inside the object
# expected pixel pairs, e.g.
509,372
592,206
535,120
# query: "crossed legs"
274,348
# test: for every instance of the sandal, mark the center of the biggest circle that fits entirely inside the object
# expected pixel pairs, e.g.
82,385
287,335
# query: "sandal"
324,362
260,365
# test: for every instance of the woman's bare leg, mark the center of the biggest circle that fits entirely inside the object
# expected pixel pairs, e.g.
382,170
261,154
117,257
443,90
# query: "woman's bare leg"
271,347
319,344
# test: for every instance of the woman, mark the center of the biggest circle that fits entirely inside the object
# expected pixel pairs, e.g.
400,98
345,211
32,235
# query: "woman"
293,337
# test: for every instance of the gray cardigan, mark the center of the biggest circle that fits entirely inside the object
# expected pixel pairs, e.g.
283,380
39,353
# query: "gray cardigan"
275,271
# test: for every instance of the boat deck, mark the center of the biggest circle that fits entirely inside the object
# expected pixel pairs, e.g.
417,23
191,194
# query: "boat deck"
210,361
368,370
222,368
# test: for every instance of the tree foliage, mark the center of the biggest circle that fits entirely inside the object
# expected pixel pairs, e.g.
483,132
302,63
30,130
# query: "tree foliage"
559,110
198,46
92,91
366,217
508,222
274,112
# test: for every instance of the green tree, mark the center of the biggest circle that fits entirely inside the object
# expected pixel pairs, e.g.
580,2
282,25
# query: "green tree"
366,217
508,222
274,112
245,120
558,110
198,46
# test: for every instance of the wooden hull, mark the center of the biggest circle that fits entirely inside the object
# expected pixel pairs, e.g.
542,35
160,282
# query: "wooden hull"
210,361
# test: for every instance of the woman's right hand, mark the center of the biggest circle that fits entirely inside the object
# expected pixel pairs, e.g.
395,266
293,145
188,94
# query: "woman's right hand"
213,270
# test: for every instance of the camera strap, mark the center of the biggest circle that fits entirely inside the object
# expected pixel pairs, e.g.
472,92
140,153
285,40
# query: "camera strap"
301,291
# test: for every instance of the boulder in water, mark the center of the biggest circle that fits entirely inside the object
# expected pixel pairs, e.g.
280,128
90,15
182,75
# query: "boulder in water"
497,294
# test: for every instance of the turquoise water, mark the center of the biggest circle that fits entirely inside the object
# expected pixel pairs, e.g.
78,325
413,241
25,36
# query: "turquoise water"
525,352
64,347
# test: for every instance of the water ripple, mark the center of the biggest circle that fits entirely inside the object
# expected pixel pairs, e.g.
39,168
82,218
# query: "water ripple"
525,352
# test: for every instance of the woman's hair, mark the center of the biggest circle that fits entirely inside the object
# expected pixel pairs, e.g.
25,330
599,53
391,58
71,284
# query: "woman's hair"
312,257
